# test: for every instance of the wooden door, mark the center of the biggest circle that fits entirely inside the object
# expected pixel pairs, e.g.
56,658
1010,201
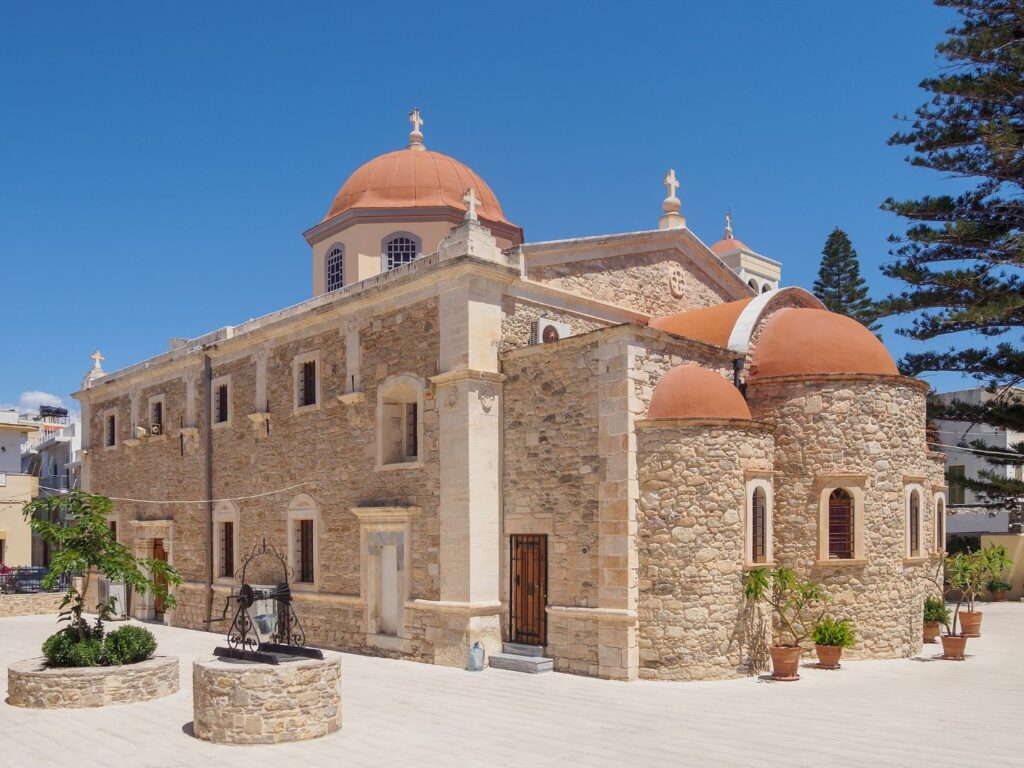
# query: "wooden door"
159,553
529,560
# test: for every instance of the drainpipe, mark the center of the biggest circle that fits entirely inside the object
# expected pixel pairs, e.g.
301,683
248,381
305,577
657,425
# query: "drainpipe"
208,429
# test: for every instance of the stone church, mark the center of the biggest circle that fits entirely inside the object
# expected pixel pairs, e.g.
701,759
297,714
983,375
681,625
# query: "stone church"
573,449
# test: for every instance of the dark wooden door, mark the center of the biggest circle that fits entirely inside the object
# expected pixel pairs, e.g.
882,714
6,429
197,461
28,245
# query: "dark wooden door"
159,553
529,559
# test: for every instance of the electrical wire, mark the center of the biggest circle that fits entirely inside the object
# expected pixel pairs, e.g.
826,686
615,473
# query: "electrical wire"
175,501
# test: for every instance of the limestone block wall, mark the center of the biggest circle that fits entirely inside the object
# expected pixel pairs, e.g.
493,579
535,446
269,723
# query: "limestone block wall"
518,319
642,282
865,432
38,604
694,623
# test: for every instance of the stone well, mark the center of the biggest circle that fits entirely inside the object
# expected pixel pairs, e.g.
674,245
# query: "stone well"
242,702
31,683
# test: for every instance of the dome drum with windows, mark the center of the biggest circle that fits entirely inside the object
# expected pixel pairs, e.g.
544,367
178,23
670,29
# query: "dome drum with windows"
396,208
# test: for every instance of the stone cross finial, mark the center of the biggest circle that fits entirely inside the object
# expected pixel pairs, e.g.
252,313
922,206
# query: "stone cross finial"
471,201
670,217
671,183
728,225
415,135
96,359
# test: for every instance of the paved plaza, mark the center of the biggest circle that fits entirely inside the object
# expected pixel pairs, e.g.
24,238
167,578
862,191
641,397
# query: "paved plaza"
913,712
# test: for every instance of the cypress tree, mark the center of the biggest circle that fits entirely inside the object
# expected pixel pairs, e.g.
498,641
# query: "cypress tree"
840,285
962,255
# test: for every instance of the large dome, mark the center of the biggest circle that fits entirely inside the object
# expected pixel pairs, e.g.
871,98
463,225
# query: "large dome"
815,341
416,178
691,392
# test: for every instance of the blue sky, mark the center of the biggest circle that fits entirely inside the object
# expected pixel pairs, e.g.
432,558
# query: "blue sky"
158,162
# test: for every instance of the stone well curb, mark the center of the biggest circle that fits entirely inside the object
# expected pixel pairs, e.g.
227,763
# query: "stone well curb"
30,683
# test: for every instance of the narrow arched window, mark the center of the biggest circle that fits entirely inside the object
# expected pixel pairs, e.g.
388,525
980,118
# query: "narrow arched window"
759,526
399,250
766,287
753,284
335,268
940,525
914,524
840,525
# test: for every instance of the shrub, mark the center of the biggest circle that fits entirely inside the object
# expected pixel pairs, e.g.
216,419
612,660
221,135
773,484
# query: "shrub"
64,649
128,645
793,601
837,632
935,609
998,585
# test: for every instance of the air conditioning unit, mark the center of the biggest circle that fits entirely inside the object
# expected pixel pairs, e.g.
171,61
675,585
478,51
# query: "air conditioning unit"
155,430
140,432
545,330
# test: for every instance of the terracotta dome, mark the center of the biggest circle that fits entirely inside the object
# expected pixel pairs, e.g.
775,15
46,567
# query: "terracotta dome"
729,244
816,341
415,178
712,324
692,392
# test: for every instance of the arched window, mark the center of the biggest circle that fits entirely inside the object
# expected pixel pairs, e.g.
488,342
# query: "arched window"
335,268
914,524
766,287
840,525
225,540
759,526
398,249
753,284
940,524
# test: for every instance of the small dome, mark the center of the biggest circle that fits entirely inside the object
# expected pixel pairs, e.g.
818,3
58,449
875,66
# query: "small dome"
416,178
692,392
712,324
816,341
729,244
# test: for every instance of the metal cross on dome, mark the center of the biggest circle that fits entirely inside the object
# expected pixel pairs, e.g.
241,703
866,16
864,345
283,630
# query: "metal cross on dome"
471,201
670,182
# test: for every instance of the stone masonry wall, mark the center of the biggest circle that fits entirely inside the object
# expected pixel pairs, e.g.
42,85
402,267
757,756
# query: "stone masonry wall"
640,282
519,317
857,427
30,683
331,451
38,604
695,623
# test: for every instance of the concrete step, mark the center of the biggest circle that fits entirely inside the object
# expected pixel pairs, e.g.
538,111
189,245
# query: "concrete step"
521,649
517,663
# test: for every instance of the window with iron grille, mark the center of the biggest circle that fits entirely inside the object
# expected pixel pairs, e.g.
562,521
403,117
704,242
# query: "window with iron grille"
840,525
156,418
759,526
914,524
956,474
399,250
304,551
307,383
940,526
220,404
111,430
335,268
227,549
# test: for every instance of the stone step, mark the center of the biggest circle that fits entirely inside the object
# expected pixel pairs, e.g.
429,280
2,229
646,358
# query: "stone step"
521,649
517,663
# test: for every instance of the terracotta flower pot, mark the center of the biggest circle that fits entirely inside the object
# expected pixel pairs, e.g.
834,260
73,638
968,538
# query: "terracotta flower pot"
931,631
828,656
999,596
953,647
970,623
785,662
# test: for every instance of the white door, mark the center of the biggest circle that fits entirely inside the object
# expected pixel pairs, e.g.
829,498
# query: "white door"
388,596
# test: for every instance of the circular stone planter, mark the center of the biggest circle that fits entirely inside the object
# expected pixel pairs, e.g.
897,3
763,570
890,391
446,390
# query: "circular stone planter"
31,683
243,702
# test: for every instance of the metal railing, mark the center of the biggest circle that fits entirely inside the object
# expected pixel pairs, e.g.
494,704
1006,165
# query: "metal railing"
28,579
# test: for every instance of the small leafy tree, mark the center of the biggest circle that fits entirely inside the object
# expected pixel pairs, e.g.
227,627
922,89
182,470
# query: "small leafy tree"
799,605
75,526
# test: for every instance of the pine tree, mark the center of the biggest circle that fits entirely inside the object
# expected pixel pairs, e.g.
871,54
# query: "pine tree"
840,286
962,254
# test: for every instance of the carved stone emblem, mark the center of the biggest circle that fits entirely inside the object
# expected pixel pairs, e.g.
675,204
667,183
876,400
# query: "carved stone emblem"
677,281
487,399
452,397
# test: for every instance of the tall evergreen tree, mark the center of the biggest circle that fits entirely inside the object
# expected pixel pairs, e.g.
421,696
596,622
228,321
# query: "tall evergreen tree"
962,255
840,286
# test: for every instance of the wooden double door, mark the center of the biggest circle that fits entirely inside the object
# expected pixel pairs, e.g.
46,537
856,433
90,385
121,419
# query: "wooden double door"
529,589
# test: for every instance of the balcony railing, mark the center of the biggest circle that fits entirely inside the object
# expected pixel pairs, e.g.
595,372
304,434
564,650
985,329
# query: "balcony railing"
53,483
27,579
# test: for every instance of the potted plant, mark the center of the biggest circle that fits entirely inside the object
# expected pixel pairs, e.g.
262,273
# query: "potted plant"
796,605
999,588
936,616
974,570
830,636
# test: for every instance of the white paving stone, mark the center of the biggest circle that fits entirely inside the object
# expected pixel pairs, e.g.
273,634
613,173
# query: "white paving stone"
916,712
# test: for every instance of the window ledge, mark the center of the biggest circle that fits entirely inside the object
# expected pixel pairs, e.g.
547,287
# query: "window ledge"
221,424
754,566
916,560
840,563
400,465
157,438
132,442
352,398
307,408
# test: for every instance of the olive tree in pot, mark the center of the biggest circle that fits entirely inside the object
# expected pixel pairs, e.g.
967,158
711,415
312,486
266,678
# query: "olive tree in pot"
936,616
75,526
830,636
798,606
969,573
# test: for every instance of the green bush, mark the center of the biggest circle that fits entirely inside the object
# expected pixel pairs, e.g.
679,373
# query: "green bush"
64,649
838,632
998,585
128,645
935,609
